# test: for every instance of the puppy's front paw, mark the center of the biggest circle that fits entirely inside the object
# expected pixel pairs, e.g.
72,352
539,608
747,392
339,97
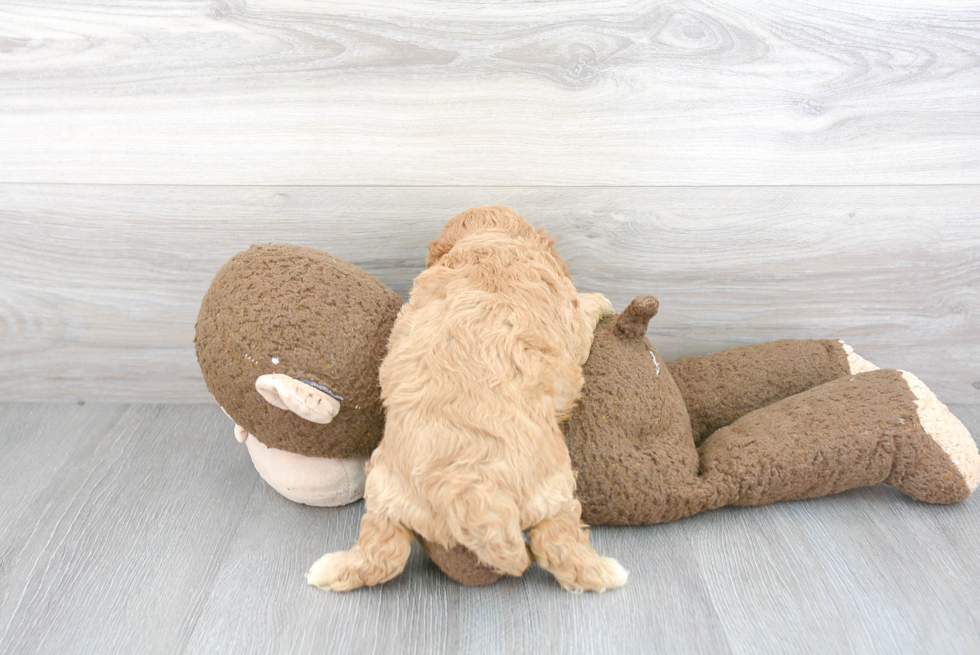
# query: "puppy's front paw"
331,572
605,305
596,304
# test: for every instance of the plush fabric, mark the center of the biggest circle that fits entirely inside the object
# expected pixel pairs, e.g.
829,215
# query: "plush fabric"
461,564
651,441
851,432
316,481
721,387
303,313
630,436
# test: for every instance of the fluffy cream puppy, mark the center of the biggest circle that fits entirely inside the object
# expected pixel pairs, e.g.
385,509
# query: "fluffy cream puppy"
483,363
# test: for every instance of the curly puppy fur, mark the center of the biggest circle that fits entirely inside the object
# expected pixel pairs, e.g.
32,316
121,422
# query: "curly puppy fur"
483,363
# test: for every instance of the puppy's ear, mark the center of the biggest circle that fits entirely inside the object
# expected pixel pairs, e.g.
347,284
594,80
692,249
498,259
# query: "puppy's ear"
548,243
455,229
439,247
307,400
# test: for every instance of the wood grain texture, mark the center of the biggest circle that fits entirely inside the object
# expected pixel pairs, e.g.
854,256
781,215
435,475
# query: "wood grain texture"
566,93
116,548
145,529
100,285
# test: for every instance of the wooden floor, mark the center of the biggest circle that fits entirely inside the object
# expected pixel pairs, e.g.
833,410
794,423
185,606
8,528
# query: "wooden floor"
144,528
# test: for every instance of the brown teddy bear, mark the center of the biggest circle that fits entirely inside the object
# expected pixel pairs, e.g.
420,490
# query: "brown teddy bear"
290,339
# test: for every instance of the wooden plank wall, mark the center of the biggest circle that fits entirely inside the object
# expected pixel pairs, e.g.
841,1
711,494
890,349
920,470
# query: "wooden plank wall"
770,169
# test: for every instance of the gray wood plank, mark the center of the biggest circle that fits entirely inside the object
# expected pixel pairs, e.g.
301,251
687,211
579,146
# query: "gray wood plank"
847,574
37,443
423,612
155,535
100,285
116,551
867,571
575,92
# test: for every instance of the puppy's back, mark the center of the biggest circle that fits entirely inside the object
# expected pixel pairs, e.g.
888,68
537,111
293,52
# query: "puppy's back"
482,346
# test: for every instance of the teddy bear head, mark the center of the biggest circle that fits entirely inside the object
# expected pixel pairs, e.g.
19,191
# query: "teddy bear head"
289,340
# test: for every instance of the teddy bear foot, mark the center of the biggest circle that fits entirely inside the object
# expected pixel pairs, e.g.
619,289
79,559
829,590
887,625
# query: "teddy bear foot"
316,481
460,564
855,362
947,470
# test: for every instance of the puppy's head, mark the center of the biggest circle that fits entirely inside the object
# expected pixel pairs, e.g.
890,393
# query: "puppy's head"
489,217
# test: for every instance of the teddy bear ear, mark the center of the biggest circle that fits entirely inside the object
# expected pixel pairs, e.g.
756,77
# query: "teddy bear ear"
633,322
313,403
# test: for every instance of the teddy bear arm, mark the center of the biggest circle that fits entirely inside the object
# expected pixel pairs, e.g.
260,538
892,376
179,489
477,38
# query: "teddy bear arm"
720,388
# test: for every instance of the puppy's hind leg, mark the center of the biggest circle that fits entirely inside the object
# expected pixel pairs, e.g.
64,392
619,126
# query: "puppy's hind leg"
381,553
560,544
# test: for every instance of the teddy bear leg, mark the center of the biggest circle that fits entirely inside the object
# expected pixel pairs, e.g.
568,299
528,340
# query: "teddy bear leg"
878,426
940,464
722,387
460,564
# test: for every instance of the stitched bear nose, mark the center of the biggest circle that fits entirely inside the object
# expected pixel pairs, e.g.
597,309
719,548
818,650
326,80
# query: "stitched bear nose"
633,322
